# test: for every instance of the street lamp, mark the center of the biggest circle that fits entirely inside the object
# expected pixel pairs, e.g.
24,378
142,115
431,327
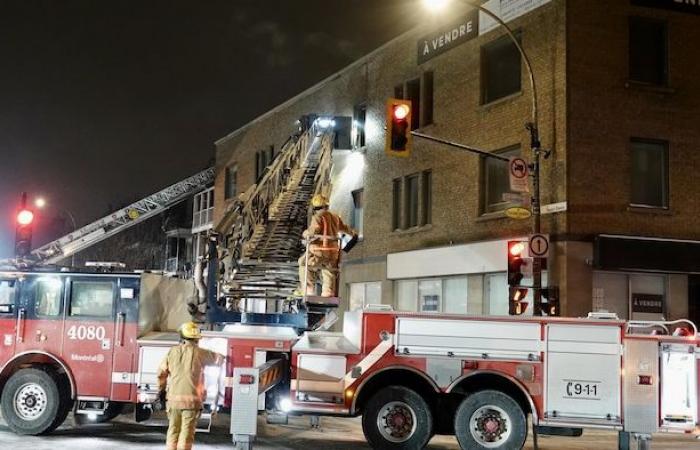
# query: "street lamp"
533,129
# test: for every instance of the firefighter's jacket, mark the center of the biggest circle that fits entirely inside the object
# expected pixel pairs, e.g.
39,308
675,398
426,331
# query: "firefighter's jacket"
182,371
326,226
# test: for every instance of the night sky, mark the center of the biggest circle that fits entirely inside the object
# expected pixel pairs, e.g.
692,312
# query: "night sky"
103,101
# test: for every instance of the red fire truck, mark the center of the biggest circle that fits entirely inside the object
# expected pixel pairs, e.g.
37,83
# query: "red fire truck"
76,342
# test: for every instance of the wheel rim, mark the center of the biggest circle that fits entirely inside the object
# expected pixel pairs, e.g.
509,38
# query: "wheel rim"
490,426
396,422
30,401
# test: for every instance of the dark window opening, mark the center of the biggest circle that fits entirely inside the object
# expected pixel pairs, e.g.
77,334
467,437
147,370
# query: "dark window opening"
359,120
396,204
411,219
413,94
500,69
427,200
648,51
495,181
358,208
427,118
649,184
229,184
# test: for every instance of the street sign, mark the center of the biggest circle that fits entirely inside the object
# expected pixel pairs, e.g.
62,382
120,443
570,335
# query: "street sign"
538,245
518,171
518,213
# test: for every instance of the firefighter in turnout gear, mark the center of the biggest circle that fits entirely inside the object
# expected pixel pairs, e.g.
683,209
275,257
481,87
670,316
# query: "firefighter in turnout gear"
182,374
324,248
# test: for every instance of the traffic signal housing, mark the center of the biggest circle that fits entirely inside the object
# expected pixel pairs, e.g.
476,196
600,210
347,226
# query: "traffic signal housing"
23,232
551,306
398,127
516,265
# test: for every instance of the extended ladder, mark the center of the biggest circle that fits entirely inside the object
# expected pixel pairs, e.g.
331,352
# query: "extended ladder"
122,219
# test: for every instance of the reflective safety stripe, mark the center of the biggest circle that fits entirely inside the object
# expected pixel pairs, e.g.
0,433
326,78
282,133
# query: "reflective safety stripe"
371,359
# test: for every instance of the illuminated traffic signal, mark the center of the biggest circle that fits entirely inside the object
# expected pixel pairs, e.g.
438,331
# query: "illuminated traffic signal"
23,230
398,127
551,305
516,265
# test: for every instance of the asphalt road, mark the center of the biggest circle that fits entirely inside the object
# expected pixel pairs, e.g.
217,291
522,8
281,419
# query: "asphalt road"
334,434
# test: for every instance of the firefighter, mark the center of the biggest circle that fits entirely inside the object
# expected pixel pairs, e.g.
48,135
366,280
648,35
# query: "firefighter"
324,249
182,371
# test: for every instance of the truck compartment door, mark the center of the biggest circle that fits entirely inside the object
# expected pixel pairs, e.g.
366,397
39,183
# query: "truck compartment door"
583,372
678,387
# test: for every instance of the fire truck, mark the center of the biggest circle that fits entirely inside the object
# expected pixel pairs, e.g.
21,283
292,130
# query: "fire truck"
80,342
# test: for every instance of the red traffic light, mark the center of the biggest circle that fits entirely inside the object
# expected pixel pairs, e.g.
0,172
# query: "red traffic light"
401,111
25,217
516,248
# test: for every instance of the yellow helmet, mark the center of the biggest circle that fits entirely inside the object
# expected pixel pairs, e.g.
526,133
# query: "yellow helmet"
190,330
319,201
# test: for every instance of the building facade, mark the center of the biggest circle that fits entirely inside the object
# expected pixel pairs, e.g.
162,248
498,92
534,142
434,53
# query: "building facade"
617,108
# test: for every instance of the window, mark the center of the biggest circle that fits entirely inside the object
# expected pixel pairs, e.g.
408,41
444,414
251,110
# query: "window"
7,296
427,118
48,297
396,205
414,208
648,51
413,94
495,181
363,294
203,210
435,295
358,211
411,208
270,154
359,119
500,69
230,182
427,200
91,299
649,174
262,160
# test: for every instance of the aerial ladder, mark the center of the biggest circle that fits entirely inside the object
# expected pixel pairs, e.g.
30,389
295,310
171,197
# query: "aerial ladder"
120,220
262,232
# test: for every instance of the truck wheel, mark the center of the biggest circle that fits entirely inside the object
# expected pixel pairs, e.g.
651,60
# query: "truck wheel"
490,419
397,418
32,402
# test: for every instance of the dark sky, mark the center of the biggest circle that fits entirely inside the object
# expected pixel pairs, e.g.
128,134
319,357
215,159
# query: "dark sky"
101,100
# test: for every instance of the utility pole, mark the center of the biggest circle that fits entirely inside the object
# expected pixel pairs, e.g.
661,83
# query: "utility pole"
536,213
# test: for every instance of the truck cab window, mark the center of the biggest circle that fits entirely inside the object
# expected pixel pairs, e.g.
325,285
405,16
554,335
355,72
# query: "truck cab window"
7,296
48,297
91,299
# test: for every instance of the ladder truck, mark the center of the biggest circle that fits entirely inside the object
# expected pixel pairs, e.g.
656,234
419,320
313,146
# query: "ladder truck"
75,342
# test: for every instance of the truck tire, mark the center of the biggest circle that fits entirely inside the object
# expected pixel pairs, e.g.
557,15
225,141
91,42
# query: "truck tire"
397,418
33,403
490,420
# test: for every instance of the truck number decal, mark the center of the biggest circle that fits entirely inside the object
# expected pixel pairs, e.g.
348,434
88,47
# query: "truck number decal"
582,389
86,333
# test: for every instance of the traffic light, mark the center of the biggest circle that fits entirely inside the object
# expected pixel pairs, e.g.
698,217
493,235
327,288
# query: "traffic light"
23,231
551,306
398,127
516,263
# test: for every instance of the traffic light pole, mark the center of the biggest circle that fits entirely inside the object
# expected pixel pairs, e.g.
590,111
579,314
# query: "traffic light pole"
535,146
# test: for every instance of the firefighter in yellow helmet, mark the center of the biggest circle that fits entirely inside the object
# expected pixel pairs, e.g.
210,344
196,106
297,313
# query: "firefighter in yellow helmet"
182,373
324,249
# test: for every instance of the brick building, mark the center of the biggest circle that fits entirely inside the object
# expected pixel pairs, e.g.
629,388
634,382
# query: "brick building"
618,107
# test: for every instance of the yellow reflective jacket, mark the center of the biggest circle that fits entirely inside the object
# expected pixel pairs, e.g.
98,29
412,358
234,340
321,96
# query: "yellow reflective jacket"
326,226
182,371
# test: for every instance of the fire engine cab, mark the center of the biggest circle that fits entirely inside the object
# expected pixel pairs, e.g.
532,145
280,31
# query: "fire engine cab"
86,343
